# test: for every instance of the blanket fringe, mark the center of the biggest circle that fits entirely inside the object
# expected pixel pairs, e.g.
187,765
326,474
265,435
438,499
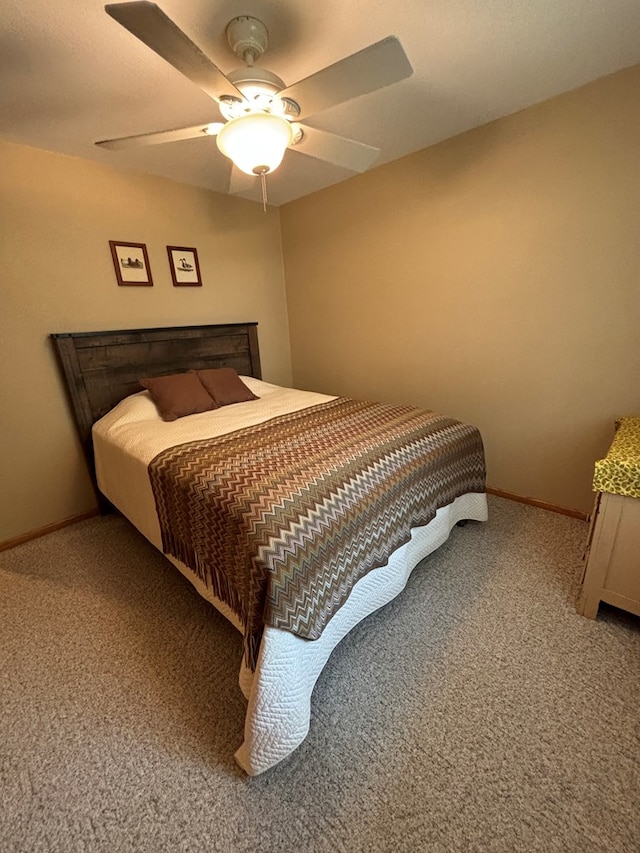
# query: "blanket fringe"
218,583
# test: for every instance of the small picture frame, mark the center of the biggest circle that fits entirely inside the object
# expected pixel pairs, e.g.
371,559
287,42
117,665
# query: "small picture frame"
185,269
131,263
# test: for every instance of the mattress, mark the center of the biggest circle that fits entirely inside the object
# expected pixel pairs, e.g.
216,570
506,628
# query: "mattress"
279,691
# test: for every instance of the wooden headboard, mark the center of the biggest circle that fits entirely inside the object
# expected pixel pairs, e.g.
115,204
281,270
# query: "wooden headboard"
101,368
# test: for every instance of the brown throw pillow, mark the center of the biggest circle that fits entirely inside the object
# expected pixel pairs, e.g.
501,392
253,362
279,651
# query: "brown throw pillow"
225,386
178,395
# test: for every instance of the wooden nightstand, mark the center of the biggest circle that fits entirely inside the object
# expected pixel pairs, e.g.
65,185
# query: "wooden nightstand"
612,556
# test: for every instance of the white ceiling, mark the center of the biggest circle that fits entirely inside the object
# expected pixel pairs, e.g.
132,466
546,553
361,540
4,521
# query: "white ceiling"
70,75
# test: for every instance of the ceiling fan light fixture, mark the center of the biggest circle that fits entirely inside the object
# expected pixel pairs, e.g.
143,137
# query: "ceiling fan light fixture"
255,142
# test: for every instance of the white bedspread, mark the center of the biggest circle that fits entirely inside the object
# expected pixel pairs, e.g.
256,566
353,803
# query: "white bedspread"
279,692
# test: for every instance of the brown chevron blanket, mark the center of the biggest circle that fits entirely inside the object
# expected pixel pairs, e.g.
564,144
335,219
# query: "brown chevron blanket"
281,519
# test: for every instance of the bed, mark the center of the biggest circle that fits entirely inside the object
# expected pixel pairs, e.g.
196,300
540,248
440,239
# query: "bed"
134,459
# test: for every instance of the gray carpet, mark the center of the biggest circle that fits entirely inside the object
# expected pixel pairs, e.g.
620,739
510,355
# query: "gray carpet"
476,712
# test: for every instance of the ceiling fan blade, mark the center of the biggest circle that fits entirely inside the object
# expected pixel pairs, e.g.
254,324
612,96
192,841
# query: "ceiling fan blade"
148,22
347,153
145,139
372,68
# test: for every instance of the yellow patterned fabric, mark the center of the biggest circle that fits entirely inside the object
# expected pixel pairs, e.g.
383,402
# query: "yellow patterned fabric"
619,471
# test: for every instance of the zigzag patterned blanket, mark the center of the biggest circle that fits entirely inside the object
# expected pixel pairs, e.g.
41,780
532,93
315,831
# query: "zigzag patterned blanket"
281,519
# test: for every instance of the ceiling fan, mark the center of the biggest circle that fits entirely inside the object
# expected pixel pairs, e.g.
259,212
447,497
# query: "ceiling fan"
261,116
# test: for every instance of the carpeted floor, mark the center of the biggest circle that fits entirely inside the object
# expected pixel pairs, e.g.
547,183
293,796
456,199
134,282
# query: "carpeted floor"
476,712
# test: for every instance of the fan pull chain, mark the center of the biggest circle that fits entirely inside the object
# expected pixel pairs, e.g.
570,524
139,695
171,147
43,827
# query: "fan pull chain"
263,181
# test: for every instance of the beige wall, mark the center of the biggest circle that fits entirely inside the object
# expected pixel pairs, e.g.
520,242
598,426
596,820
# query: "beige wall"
494,277
57,215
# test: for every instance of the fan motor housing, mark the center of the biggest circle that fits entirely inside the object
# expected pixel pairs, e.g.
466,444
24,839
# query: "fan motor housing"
260,88
258,77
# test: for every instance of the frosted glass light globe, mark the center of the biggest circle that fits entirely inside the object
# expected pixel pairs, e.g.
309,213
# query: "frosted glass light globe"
255,142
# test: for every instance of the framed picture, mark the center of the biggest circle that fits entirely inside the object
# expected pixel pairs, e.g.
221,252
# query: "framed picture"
185,269
131,263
